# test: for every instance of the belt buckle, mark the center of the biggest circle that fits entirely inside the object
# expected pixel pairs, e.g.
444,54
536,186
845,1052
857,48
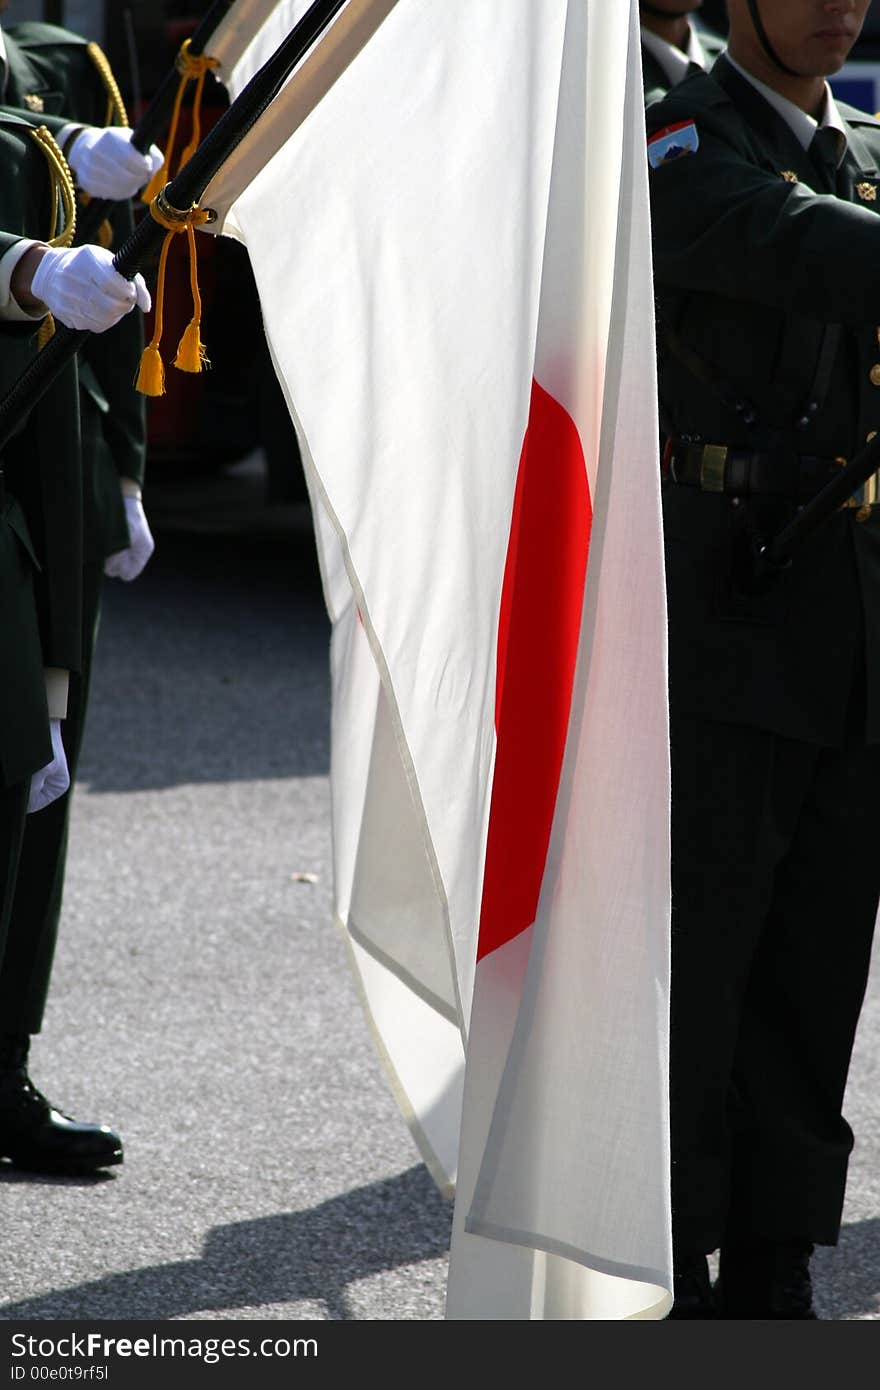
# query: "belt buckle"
713,466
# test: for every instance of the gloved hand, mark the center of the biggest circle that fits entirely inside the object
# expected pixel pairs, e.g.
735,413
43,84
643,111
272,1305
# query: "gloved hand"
106,164
82,289
127,564
52,780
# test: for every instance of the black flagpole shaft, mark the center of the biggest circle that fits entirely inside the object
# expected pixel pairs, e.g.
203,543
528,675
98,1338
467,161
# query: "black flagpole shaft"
155,118
850,478
184,189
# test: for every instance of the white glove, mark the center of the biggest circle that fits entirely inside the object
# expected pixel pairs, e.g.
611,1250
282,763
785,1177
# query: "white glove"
127,564
82,289
52,780
106,164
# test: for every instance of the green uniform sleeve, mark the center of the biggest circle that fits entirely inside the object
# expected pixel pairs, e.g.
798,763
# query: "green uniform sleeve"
7,241
725,225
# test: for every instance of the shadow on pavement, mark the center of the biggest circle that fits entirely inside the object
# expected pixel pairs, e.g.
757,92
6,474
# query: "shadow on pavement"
308,1255
314,1255
9,1174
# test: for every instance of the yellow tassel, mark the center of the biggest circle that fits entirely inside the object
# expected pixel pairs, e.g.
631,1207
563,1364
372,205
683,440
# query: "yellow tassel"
151,377
191,354
47,331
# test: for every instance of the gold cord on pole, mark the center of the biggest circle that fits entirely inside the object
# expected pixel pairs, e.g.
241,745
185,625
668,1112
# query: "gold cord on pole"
192,68
62,192
191,356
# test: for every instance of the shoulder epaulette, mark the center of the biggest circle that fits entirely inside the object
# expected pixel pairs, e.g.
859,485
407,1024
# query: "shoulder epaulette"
32,34
853,116
9,121
696,93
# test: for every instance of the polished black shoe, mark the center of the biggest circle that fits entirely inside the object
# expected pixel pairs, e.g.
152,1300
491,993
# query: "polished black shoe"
766,1281
692,1295
38,1138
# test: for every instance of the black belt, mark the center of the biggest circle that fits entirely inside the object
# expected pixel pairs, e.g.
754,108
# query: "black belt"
747,473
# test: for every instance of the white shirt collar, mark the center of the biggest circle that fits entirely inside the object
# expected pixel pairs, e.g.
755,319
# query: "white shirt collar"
802,125
2,48
674,63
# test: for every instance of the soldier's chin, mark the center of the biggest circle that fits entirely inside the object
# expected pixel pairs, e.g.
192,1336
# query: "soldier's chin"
831,54
820,68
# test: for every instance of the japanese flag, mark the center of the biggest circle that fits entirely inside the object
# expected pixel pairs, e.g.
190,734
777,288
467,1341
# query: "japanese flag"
446,211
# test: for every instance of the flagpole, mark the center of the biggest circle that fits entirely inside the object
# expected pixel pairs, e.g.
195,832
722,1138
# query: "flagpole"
155,118
182,192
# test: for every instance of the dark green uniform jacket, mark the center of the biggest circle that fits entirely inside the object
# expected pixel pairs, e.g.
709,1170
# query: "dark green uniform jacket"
769,342
51,75
40,501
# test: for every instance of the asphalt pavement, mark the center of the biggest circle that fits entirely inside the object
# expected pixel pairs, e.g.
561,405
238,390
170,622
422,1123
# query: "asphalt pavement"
202,1002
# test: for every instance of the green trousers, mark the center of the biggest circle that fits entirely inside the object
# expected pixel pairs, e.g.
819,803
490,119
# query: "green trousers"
775,887
35,909
13,805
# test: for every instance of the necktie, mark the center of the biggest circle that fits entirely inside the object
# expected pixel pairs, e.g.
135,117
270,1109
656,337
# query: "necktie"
825,154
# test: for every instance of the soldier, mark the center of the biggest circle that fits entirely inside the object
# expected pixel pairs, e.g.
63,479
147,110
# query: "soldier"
673,45
27,748
55,76
764,205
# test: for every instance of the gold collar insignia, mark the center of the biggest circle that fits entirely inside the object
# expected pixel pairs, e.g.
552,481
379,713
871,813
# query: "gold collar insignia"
789,175
867,192
33,101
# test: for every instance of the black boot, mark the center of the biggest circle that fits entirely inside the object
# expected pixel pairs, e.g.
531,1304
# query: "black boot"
36,1137
692,1291
765,1280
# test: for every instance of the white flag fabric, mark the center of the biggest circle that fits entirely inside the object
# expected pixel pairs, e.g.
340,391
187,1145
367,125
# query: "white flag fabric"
446,212
247,34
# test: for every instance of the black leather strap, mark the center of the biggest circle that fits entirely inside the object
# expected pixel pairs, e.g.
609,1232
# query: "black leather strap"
746,473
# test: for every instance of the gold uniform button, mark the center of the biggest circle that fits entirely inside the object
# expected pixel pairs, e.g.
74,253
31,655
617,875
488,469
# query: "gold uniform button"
863,513
872,434
841,460
874,374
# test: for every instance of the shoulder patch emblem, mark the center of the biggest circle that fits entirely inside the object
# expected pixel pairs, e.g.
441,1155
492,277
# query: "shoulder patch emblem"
672,142
867,192
789,175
